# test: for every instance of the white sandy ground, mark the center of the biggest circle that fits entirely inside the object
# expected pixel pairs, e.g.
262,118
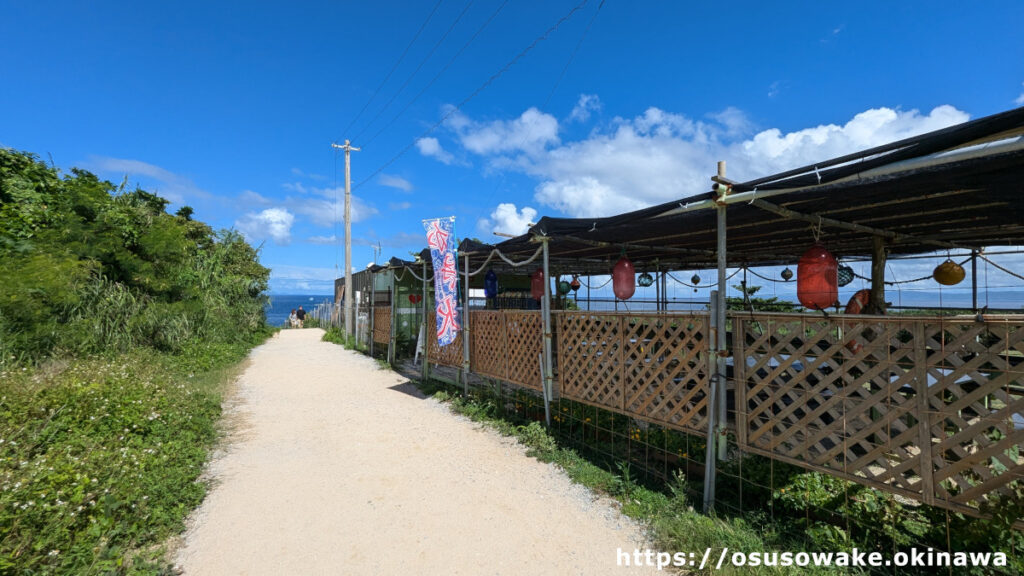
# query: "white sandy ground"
335,466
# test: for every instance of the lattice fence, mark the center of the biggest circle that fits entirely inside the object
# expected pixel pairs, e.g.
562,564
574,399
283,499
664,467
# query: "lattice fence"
507,345
450,355
382,324
929,408
649,367
488,346
524,337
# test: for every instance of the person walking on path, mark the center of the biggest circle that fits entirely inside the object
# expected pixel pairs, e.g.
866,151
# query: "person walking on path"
301,315
293,319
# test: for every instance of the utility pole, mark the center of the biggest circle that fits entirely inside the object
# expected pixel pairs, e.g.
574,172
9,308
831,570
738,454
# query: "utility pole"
347,147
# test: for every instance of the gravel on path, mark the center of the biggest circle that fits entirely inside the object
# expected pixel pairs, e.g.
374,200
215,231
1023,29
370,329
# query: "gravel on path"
335,466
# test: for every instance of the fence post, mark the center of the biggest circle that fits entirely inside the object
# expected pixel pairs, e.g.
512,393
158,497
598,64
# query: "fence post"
373,309
924,422
465,332
425,331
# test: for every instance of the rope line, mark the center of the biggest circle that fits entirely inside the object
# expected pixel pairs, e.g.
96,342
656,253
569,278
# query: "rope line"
1011,273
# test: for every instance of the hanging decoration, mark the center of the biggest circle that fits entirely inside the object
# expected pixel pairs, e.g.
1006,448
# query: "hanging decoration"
563,287
623,279
415,298
949,273
491,285
695,280
537,285
844,275
816,281
441,239
575,284
787,274
645,280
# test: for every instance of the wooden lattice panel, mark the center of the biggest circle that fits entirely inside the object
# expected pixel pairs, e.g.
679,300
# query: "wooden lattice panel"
590,363
975,372
524,343
382,324
666,370
927,408
450,355
488,352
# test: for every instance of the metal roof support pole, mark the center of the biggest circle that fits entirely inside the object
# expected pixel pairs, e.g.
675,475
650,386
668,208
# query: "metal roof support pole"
424,333
392,344
465,332
974,280
876,303
546,315
716,444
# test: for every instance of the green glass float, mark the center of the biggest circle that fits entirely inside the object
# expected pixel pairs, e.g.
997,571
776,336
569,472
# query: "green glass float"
645,280
564,287
787,274
844,275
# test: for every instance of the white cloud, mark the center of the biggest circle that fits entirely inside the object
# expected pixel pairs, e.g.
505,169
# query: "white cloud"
587,104
394,206
660,156
1020,99
272,223
329,240
531,132
395,182
252,198
508,220
772,151
327,212
174,187
431,148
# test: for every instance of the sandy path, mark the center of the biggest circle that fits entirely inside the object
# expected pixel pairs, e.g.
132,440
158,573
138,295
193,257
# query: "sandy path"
338,467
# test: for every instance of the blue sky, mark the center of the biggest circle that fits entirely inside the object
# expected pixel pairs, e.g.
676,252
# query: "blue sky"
231,107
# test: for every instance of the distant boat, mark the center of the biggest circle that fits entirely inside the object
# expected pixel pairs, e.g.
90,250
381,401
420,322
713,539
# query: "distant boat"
311,298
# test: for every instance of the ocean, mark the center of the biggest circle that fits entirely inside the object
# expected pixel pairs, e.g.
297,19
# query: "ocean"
281,305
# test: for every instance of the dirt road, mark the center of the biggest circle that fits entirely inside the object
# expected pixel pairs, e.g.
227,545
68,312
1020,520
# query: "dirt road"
337,467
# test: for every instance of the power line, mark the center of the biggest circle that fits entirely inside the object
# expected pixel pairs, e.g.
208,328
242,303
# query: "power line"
416,71
438,75
476,92
393,68
572,56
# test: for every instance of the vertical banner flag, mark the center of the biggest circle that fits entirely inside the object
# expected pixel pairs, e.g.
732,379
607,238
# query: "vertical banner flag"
441,239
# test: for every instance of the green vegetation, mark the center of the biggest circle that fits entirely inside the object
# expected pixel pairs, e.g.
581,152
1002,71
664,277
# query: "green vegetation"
335,335
119,326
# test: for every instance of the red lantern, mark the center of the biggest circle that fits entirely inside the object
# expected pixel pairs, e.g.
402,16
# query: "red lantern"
415,298
537,285
623,279
817,283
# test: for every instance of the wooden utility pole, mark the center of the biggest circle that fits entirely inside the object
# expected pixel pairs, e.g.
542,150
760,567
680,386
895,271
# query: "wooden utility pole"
347,147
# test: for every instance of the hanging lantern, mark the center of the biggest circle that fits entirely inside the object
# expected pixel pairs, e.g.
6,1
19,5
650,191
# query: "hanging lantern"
623,279
563,287
645,280
949,273
816,282
575,284
491,284
787,274
415,298
844,275
537,285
